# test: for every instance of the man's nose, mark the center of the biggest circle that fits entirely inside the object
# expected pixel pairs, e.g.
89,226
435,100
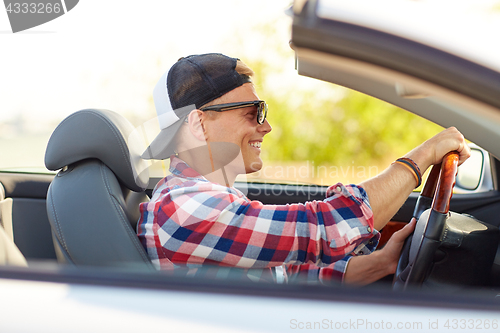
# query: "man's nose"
265,127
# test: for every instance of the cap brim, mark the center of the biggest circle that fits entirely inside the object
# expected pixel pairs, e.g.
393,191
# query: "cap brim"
163,145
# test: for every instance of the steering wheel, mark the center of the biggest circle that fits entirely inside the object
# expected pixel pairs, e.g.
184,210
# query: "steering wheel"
419,248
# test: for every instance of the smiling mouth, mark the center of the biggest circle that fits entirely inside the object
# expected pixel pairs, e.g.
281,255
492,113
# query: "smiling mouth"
255,144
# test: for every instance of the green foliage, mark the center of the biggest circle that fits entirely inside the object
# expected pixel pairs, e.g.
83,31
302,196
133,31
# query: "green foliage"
317,121
333,125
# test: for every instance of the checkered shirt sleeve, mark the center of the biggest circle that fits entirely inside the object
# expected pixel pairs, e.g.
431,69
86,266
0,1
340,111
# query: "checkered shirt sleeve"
191,221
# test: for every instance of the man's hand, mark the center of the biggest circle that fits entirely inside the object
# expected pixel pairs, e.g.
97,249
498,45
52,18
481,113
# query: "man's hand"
391,252
433,150
363,270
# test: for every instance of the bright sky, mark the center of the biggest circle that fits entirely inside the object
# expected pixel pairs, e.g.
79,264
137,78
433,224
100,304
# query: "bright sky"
109,54
80,59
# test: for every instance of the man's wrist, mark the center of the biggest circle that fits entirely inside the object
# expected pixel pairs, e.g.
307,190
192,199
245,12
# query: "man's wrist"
366,269
384,265
421,156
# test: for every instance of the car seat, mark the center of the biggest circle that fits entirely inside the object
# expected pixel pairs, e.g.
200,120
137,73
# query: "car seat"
9,252
6,213
100,167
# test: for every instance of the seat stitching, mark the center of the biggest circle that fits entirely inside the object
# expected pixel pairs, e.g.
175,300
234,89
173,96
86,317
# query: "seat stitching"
119,209
58,227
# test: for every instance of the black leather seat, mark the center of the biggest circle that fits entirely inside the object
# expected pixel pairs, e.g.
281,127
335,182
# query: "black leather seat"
87,200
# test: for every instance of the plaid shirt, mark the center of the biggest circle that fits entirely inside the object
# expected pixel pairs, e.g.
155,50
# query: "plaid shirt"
205,228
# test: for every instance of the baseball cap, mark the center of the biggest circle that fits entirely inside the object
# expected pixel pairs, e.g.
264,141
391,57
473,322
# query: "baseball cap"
190,83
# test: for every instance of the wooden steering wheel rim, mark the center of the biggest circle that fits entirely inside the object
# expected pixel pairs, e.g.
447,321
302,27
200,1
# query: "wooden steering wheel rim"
444,190
440,182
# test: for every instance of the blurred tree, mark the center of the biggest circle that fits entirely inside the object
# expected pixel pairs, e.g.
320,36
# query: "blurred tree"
327,124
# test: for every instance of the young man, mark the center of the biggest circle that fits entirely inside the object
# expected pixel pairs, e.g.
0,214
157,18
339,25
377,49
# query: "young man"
213,124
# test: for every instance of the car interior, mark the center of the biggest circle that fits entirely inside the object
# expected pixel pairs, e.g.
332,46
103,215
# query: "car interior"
24,215
9,252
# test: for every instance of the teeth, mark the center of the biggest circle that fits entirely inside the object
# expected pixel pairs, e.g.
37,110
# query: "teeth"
254,144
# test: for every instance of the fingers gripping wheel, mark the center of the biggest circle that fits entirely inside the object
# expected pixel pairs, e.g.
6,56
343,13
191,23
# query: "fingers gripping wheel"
419,248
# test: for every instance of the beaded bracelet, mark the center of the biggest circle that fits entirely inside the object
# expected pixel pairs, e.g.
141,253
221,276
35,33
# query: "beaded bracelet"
414,164
413,167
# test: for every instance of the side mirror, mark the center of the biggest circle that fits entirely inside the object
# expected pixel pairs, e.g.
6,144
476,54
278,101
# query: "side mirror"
475,175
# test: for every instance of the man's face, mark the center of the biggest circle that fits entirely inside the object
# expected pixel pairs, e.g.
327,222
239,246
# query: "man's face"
240,126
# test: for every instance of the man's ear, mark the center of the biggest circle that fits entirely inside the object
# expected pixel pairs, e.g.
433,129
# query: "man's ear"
195,119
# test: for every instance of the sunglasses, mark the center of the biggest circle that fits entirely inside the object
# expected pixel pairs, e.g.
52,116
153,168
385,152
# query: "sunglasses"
261,108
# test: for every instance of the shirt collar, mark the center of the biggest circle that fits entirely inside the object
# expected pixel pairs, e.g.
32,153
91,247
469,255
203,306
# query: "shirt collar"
180,168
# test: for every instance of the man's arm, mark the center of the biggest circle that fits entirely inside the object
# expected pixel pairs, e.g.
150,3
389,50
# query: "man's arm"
388,191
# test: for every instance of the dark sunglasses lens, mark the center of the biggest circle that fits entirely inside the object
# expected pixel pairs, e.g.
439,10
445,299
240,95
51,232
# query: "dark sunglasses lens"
262,114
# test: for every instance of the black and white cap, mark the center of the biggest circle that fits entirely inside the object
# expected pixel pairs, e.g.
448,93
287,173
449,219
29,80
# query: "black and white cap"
190,83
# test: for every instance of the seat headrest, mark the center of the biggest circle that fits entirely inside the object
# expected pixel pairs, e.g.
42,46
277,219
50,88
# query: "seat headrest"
2,192
103,135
